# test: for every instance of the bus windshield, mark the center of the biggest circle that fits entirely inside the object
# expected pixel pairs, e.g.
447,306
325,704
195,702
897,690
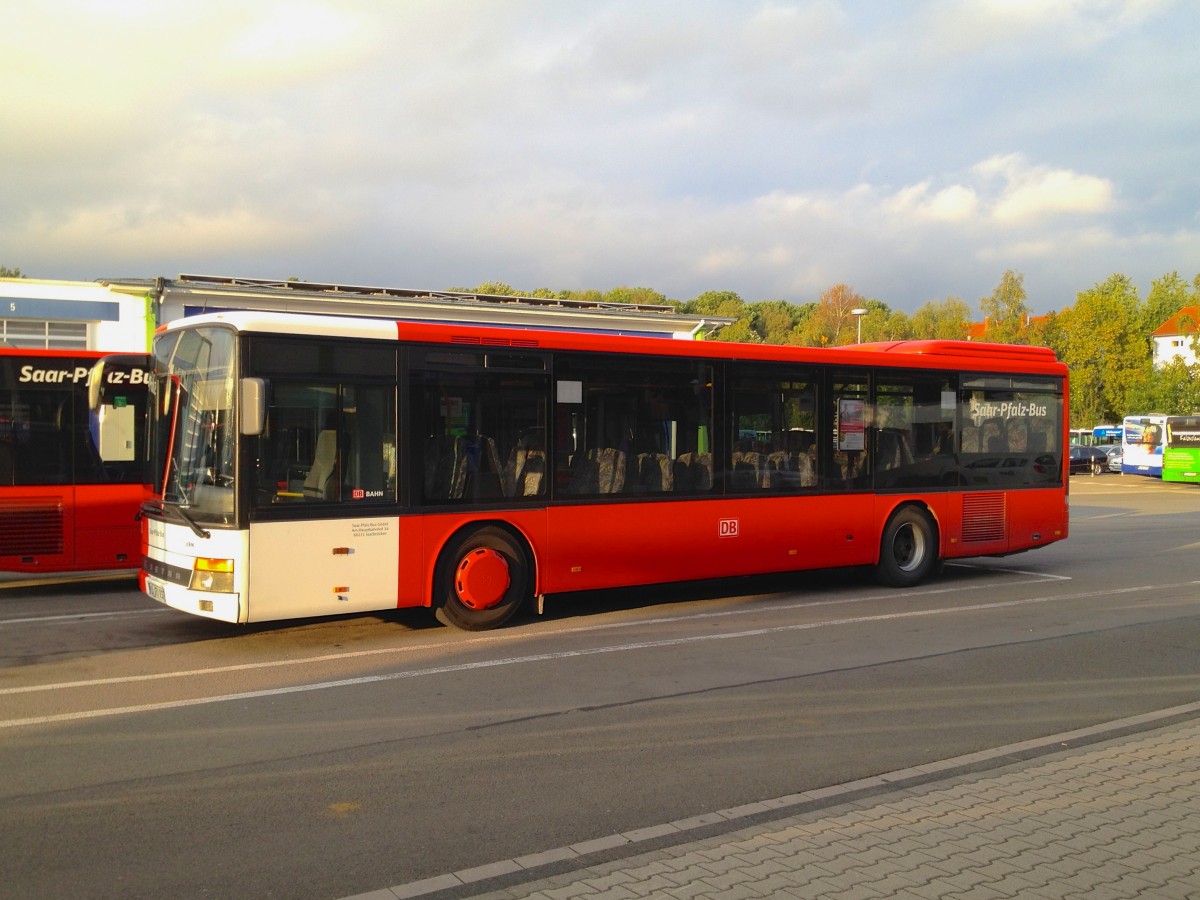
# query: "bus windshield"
196,440
1183,432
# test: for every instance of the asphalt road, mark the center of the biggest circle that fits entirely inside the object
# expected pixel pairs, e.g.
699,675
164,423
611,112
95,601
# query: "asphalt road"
146,753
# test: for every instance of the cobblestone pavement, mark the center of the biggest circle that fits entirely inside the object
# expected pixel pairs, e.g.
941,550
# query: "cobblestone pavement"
1078,816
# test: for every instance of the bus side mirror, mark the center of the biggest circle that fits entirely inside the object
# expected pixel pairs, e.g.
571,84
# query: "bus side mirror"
254,406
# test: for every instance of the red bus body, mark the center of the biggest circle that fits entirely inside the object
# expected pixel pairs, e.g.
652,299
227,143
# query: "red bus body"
610,545
61,509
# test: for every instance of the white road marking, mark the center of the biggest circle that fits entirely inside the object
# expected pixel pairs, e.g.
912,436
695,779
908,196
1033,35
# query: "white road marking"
573,654
502,636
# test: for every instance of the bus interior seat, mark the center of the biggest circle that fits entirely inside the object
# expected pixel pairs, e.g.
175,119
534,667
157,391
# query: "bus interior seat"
445,467
483,475
598,472
782,472
320,482
524,473
894,449
654,472
693,472
748,470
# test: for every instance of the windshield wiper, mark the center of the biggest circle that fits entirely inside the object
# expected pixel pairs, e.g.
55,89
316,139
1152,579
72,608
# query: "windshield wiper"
200,532
161,506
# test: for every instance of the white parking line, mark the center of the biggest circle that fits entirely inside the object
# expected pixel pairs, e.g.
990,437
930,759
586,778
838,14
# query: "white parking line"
502,636
62,617
556,656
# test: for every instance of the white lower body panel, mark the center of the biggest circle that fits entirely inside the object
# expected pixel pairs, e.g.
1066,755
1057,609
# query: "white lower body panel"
322,567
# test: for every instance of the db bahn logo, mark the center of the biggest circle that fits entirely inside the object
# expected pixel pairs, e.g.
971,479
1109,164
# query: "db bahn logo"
727,527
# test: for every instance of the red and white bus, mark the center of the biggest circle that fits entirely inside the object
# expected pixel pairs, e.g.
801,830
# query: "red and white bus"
71,475
313,465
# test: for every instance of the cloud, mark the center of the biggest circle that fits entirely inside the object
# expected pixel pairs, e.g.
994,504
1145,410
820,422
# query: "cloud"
954,203
1010,27
122,234
1032,192
772,148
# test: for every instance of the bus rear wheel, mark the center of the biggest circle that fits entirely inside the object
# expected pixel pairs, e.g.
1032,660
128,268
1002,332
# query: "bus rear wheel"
908,551
482,578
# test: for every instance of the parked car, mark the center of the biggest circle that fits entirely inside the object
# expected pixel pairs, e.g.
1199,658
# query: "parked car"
1114,458
1088,459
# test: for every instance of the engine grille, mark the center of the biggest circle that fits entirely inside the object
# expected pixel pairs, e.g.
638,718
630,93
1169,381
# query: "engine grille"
31,526
983,518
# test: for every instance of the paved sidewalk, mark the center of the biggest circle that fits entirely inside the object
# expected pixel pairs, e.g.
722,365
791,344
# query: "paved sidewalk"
1078,816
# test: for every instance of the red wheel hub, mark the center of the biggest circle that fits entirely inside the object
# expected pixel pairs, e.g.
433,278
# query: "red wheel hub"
482,579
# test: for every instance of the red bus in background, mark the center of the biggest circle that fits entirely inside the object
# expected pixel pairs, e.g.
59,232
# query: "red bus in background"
312,465
71,476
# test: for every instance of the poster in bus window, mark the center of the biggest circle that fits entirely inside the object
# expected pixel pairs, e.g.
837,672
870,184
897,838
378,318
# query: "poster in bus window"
852,422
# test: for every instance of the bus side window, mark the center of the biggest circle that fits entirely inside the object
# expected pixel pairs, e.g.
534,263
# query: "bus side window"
632,427
774,430
327,443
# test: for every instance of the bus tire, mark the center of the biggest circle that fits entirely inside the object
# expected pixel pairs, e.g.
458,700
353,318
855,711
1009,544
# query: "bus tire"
481,579
908,551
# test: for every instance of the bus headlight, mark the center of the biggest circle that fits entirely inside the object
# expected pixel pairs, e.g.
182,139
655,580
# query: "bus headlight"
212,575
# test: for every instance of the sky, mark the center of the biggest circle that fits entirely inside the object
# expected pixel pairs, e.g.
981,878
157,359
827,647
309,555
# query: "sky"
914,150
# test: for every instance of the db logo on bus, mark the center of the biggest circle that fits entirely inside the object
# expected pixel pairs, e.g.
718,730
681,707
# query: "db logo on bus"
727,527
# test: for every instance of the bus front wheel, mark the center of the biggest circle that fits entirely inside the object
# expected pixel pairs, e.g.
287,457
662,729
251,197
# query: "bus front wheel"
482,579
908,551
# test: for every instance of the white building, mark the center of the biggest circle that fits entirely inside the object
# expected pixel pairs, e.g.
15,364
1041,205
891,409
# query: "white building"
74,315
1175,338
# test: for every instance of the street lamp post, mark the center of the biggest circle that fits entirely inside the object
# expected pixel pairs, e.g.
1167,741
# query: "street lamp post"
858,314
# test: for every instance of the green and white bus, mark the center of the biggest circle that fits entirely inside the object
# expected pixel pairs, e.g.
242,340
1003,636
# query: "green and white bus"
1181,452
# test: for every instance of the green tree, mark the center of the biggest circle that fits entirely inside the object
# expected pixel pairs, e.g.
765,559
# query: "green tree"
941,320
1006,310
587,296
1050,331
804,312
491,287
716,303
832,322
893,324
741,332
882,323
1168,295
1175,389
778,320
637,295
729,305
1104,351
6,272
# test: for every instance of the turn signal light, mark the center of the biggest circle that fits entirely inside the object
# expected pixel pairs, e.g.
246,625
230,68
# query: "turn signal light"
212,575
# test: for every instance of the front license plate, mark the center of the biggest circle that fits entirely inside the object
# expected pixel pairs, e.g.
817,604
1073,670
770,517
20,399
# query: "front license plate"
156,591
